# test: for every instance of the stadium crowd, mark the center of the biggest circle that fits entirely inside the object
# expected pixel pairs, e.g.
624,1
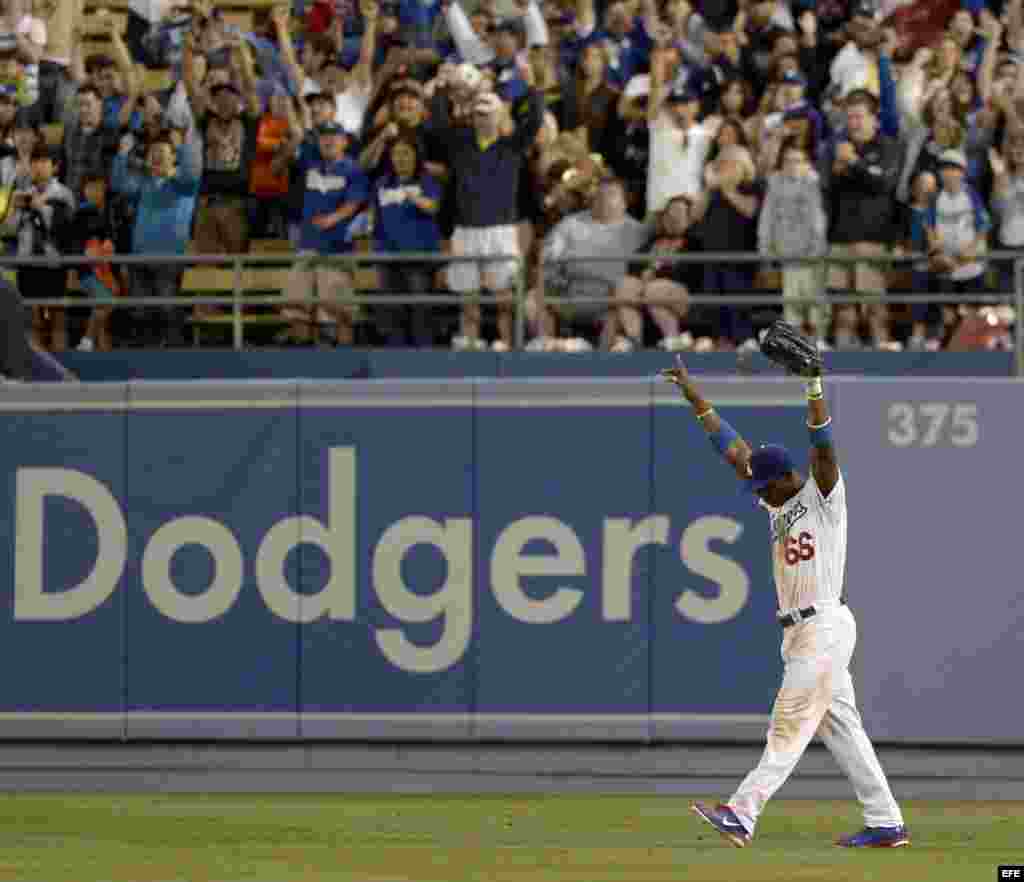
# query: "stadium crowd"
742,132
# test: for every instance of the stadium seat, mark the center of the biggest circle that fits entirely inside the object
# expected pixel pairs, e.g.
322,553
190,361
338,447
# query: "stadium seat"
271,246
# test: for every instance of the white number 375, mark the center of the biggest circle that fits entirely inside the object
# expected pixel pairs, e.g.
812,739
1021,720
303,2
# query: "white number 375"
933,423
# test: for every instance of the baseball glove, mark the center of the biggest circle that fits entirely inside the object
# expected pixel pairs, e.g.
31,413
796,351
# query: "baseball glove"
786,346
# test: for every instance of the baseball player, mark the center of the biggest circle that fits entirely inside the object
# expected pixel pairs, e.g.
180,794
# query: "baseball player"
808,534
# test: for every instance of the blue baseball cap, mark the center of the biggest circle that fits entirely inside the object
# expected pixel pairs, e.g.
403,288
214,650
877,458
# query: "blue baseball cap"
768,463
683,94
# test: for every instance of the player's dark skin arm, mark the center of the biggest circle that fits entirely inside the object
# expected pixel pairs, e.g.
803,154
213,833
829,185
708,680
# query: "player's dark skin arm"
824,464
738,453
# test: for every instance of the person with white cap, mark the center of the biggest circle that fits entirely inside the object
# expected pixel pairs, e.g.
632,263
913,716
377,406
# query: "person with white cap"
486,161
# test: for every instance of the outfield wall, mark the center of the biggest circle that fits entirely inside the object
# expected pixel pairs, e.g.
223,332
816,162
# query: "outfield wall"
514,559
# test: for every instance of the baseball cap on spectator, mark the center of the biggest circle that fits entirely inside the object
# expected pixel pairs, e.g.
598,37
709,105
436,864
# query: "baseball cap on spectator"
682,95
804,110
794,77
349,56
954,159
8,92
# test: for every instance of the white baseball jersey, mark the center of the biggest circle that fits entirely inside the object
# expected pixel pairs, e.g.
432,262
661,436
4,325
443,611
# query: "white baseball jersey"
809,546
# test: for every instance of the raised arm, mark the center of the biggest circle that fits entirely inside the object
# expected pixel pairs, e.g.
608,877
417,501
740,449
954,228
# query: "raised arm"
656,96
123,60
724,438
280,18
824,464
247,69
197,96
362,73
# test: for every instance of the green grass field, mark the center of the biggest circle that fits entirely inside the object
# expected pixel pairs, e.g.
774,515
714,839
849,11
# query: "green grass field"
373,838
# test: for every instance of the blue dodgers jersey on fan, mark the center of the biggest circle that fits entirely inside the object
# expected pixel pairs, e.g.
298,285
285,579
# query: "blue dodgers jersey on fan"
400,225
326,187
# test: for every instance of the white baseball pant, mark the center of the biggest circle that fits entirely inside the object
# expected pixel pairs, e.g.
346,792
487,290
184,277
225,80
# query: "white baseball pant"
817,696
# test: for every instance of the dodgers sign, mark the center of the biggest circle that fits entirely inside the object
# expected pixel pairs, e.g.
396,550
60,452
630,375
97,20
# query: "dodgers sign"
478,557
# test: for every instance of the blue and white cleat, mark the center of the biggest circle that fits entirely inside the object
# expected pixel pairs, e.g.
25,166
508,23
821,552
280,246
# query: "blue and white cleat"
724,820
876,837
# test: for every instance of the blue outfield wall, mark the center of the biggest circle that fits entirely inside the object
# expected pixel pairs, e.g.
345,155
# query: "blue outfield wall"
515,559
270,364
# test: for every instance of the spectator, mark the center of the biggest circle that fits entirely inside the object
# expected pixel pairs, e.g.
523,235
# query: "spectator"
486,162
89,142
402,117
93,234
406,201
268,205
679,144
725,218
793,225
859,174
15,177
926,318
665,285
165,197
335,189
958,225
43,213
629,143
606,229
589,101
229,136
321,72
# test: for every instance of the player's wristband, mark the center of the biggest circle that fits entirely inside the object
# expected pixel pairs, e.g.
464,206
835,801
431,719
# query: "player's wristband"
821,436
723,437
815,392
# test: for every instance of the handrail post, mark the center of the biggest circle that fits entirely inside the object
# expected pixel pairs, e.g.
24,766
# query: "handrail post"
519,340
238,329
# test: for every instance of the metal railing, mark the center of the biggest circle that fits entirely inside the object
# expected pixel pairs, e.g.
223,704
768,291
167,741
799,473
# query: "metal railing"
238,299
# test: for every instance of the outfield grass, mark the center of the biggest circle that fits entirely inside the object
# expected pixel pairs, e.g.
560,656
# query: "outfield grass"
372,838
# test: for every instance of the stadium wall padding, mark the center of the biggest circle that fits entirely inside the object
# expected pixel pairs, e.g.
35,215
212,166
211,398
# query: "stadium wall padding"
516,559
